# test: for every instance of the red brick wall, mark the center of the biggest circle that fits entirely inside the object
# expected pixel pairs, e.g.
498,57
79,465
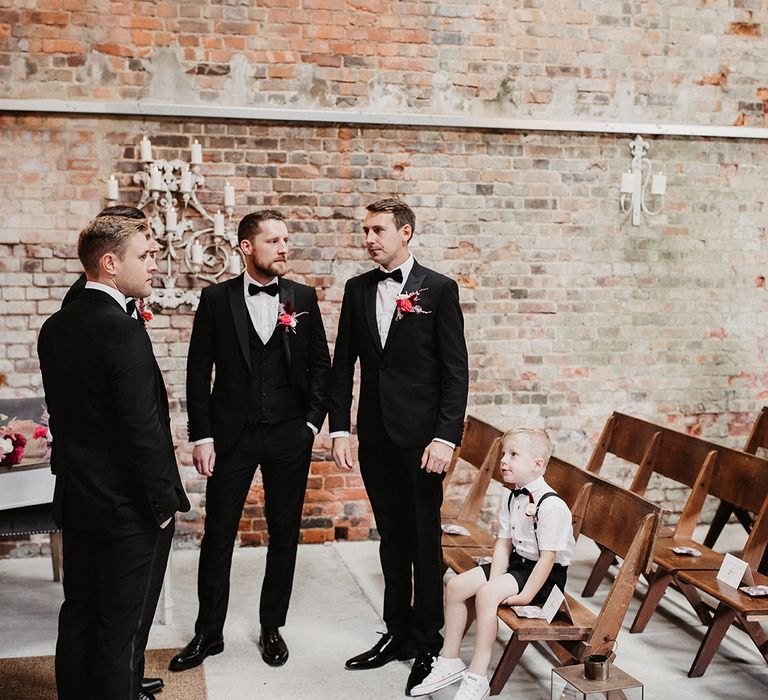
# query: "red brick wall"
569,314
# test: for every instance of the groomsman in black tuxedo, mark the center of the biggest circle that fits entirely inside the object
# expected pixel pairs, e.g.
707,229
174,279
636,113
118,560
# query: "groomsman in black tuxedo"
264,337
403,322
117,483
79,284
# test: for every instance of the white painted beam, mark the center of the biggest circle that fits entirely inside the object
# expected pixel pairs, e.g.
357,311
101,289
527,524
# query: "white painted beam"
361,118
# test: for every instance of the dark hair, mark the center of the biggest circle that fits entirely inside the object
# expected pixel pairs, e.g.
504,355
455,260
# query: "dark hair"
401,212
107,234
124,211
249,224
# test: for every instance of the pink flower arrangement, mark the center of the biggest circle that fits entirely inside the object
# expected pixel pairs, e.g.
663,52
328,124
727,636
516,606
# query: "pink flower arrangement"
287,317
12,449
409,304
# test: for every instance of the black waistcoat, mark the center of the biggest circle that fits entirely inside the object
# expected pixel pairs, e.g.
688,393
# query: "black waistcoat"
272,399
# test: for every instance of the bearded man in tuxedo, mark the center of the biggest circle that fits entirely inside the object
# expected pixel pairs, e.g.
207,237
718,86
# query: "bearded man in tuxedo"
264,336
403,322
117,482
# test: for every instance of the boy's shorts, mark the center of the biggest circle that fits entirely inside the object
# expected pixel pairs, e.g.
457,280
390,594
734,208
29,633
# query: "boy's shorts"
520,568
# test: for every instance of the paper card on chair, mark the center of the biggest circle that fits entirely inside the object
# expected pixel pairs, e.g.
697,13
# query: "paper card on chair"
732,570
554,603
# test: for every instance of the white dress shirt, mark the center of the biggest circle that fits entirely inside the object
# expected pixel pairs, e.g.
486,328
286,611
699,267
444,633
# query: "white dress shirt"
554,532
116,294
262,308
386,296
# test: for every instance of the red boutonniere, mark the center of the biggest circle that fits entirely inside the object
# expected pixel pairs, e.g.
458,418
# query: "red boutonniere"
287,316
144,313
409,304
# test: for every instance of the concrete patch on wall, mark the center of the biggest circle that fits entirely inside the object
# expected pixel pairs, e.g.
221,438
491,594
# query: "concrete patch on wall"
168,81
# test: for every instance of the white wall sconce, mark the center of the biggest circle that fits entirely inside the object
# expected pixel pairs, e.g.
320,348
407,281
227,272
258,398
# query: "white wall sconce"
634,184
204,245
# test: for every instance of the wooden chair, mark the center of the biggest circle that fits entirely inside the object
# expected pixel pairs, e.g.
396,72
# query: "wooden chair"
758,437
478,536
621,522
476,443
742,480
654,449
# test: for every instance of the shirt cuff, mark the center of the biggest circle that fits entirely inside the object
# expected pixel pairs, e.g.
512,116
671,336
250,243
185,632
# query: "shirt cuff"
340,433
202,441
312,428
445,442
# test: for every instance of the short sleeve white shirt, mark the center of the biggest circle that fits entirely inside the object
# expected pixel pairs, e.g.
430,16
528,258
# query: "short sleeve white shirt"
554,531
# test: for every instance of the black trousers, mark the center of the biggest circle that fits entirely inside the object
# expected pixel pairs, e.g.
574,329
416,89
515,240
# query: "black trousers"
284,452
112,580
406,503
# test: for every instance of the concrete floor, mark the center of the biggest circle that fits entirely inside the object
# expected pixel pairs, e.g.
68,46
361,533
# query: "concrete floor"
335,614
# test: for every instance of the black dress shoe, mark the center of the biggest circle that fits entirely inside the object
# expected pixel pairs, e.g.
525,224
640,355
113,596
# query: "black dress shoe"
272,646
385,650
194,653
420,670
152,685
146,696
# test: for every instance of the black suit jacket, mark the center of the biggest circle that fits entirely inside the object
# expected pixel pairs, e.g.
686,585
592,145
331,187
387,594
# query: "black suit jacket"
112,448
74,291
220,339
414,388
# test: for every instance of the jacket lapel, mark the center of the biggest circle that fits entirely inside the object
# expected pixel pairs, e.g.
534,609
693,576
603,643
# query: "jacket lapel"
240,316
370,311
286,299
412,284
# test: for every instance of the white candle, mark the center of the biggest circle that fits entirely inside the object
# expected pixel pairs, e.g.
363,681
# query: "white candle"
186,180
229,195
155,180
113,191
659,184
197,153
197,254
627,182
218,224
171,220
146,150
234,264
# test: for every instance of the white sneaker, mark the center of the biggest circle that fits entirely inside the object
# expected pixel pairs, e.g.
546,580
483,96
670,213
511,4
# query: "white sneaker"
443,673
473,687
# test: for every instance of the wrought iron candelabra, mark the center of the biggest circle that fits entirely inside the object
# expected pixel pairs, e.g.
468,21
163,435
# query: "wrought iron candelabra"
203,246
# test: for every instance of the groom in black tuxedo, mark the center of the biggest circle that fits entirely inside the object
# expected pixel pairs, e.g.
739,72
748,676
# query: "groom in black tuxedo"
117,484
404,324
264,336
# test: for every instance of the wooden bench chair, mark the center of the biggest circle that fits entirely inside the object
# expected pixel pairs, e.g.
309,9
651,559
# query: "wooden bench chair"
758,438
621,522
613,513
654,449
740,479
476,443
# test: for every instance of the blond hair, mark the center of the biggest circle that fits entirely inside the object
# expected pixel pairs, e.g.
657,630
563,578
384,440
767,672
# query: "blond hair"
107,234
537,438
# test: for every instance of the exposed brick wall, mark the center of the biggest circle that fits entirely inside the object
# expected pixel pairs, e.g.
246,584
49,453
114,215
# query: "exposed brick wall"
674,61
569,314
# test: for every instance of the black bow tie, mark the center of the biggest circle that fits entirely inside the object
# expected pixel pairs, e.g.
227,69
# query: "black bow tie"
520,492
130,307
271,289
380,275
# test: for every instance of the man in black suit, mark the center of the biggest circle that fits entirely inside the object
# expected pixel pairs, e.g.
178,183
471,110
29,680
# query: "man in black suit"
404,323
117,483
79,284
264,336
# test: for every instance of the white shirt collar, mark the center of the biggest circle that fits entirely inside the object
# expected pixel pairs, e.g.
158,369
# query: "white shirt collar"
116,294
405,268
536,485
247,279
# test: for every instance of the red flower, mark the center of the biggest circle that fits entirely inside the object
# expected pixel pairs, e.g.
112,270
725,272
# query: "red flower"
147,316
408,304
14,456
405,306
40,432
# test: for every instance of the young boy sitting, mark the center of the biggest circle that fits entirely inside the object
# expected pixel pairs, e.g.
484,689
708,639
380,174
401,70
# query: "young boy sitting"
531,556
